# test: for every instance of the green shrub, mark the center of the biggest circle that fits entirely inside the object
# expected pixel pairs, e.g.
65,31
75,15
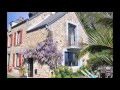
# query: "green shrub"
66,72
63,72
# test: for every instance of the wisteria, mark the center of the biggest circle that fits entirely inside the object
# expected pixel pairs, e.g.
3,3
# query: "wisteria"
46,52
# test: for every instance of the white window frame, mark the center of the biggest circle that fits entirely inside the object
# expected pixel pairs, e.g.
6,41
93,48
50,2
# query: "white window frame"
9,40
76,31
17,37
68,56
63,62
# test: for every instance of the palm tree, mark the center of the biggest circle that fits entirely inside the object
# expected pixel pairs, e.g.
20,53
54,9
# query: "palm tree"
106,19
100,35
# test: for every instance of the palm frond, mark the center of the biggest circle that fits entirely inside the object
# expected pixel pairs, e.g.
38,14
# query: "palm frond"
98,27
107,58
106,21
82,52
104,38
91,49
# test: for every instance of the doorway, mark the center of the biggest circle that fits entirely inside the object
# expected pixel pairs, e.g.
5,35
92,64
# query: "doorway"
30,67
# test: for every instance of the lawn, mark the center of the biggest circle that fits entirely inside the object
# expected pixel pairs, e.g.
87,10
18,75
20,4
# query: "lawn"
9,76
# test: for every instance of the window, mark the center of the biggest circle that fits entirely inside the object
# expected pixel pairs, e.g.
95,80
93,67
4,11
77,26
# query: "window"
10,40
72,34
18,38
70,59
13,60
14,38
8,63
17,60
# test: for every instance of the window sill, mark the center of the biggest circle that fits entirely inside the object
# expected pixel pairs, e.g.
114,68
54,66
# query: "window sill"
17,68
17,45
9,47
74,67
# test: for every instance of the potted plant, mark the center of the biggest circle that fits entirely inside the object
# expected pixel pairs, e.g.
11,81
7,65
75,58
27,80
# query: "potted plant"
22,71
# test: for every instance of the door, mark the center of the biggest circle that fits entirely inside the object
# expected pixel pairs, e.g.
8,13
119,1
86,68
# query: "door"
30,67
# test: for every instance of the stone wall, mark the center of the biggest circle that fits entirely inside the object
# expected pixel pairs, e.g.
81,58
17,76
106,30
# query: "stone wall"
43,71
14,49
59,30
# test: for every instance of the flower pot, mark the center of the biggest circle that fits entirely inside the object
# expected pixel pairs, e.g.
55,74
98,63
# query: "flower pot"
9,68
20,73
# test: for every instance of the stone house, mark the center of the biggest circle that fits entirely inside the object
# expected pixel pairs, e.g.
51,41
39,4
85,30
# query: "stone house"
68,35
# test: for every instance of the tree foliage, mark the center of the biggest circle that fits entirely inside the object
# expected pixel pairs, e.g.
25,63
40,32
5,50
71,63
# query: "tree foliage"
98,27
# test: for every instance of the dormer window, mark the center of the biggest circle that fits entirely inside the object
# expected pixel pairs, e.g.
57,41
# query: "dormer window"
9,28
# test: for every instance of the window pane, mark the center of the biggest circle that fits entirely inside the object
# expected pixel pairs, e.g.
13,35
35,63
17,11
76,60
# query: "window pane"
75,61
70,59
71,34
17,64
8,59
66,59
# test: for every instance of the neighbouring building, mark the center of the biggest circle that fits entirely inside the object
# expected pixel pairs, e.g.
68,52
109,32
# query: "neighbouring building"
68,35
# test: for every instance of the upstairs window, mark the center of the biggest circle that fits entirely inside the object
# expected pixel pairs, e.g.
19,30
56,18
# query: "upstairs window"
9,40
72,37
18,37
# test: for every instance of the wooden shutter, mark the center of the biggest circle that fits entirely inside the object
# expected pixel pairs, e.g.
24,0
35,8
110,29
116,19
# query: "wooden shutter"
21,37
13,60
19,59
14,38
11,40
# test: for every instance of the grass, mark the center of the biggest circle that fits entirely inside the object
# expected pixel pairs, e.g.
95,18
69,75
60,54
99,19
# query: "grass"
9,76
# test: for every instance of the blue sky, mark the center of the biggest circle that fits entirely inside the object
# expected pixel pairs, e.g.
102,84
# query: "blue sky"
13,16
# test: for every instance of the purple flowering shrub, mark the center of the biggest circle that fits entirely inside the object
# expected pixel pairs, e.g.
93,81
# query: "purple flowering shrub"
46,52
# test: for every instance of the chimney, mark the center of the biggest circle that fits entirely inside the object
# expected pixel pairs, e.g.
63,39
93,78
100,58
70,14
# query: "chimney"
21,18
32,14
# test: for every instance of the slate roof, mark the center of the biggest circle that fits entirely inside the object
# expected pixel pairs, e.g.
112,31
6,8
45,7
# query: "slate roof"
35,15
48,21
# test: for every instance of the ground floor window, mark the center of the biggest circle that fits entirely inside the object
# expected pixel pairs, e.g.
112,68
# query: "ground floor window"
8,62
70,59
17,60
